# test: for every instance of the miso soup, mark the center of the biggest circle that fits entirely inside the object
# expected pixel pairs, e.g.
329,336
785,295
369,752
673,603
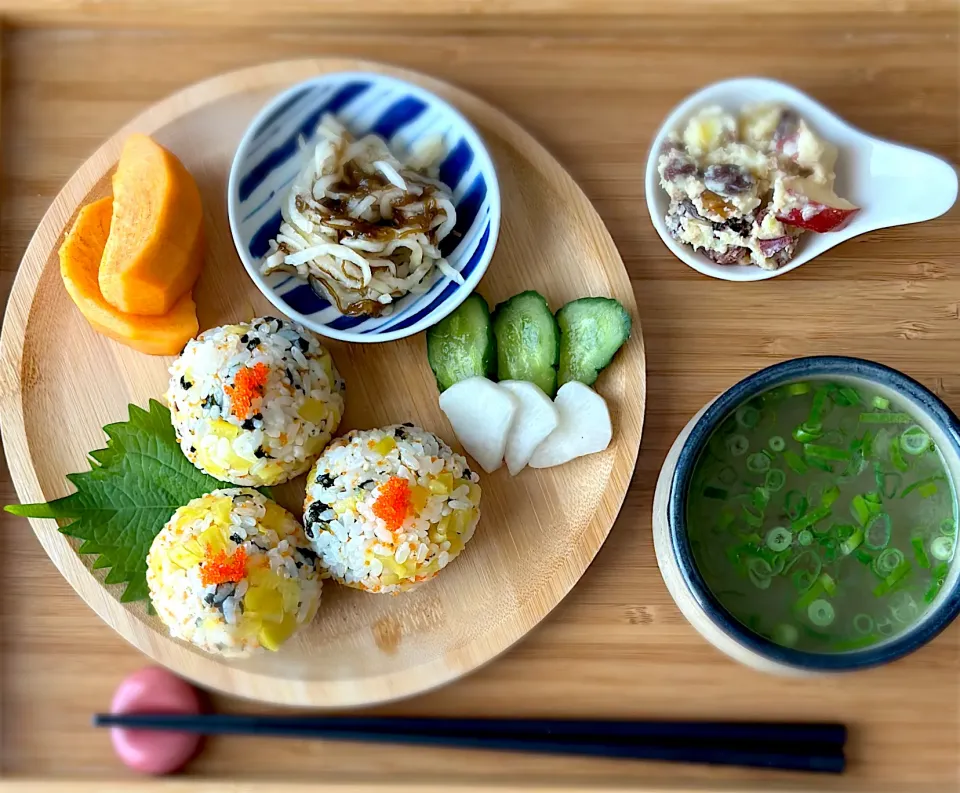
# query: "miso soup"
822,516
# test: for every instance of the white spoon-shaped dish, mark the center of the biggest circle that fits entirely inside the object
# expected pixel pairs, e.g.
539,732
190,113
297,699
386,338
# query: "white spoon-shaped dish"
892,184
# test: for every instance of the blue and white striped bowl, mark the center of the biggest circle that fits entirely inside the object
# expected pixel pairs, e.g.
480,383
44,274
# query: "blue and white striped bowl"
269,159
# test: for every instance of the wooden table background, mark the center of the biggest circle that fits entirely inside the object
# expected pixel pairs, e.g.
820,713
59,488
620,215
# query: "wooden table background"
593,90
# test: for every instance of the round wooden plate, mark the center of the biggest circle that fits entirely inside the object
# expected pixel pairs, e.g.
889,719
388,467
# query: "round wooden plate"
61,382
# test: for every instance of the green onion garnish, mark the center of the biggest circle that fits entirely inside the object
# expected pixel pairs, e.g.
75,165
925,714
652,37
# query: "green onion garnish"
760,497
716,492
860,510
864,558
825,452
921,483
927,490
777,443
807,432
896,455
948,527
903,608
845,396
885,626
829,496
941,548
795,503
829,585
851,543
810,519
887,561
899,573
774,480
880,403
779,539
914,440
805,537
877,534
863,623
738,445
747,416
820,613
758,463
819,406
786,634
798,389
759,572
919,552
795,461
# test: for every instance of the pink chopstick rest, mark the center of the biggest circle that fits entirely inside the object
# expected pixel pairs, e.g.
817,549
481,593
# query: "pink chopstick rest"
154,690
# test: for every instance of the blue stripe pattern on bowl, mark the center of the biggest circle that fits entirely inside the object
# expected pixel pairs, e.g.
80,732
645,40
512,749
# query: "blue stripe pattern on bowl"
270,158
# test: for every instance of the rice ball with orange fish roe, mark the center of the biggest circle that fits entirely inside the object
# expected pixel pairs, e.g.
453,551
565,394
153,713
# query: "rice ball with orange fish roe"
388,509
232,572
255,403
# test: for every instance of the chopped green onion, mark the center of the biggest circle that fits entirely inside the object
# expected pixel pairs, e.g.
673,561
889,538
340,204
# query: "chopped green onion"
777,443
727,475
885,626
863,623
829,496
759,572
747,416
795,461
752,519
845,396
795,503
785,634
760,497
819,405
830,548
877,533
903,608
899,573
887,483
779,539
860,510
921,483
851,543
805,537
810,519
896,455
914,440
919,552
948,527
815,591
758,463
823,465
941,548
798,389
821,613
775,480
864,558
807,432
738,445
825,452
884,418
829,585
814,492
716,492
856,643
887,561
880,403
927,490
843,530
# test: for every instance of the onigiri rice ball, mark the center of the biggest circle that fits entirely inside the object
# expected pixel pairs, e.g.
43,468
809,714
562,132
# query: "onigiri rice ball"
388,509
255,403
232,572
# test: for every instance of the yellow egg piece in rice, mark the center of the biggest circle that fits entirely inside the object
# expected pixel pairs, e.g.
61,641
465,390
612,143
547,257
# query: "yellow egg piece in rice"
232,573
388,509
255,403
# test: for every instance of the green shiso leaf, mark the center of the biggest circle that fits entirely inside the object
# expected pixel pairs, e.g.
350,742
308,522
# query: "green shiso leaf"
133,487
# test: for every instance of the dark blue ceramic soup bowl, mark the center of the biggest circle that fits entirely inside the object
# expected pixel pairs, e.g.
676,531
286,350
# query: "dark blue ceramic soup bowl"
928,410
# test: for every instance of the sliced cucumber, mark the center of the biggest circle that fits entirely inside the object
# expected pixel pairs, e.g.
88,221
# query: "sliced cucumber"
592,329
462,344
528,341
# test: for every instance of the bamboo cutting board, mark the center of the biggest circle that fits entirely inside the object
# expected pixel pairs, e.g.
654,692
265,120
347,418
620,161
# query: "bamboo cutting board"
593,92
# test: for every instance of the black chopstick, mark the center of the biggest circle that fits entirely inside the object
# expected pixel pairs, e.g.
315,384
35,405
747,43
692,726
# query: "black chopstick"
797,747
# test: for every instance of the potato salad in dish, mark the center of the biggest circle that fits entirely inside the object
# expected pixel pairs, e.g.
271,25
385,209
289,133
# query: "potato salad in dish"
743,188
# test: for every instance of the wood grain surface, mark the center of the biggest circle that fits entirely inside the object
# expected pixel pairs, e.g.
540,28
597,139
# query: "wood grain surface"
593,94
62,382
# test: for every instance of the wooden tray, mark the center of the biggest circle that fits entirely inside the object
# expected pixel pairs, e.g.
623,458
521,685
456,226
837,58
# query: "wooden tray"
592,89
540,530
